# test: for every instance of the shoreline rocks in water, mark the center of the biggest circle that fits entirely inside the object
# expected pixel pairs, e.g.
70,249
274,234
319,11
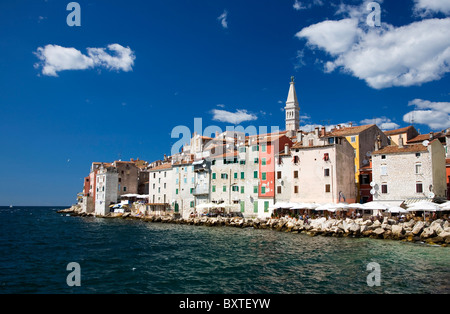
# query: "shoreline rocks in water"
435,232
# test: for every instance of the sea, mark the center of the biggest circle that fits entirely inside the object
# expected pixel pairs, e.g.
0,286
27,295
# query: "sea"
38,248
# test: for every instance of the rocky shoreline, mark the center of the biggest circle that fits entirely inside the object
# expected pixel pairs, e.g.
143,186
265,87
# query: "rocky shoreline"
436,232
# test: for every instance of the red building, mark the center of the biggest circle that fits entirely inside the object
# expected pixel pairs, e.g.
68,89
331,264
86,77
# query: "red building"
365,178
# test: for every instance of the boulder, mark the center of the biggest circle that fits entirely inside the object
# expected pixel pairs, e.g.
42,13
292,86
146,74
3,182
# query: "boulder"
427,233
409,223
355,228
397,230
379,231
418,227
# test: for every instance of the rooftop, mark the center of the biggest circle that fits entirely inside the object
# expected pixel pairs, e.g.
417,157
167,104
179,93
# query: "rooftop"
423,137
346,131
398,131
394,149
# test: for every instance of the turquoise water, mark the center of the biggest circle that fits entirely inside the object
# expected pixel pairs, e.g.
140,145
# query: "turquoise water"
128,256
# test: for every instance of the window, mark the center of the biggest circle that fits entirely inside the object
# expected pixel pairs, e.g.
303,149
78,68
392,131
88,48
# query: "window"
383,170
256,160
296,189
213,162
176,191
383,156
384,188
326,172
295,174
255,174
176,181
120,180
159,190
242,162
235,175
279,189
418,155
263,176
185,180
242,189
263,147
331,140
224,188
242,206
214,176
214,188
242,175
365,179
263,161
191,190
266,206
224,176
263,190
418,168
124,188
311,142
296,159
255,148
353,139
255,189
327,188
192,204
278,174
419,187
326,157
255,207
242,149
235,188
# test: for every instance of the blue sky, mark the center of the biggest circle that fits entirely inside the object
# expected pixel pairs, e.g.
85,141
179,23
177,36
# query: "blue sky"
117,85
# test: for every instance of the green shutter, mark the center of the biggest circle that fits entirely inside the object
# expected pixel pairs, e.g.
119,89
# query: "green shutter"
242,206
263,161
263,190
176,191
224,188
235,175
266,206
176,207
213,188
255,189
255,207
263,176
214,176
255,174
242,175
256,160
192,204
242,189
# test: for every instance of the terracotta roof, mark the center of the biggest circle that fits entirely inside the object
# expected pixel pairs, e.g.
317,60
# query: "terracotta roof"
394,149
398,131
422,137
229,154
345,131
161,167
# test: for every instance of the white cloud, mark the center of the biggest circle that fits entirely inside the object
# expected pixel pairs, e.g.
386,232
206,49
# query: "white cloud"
334,37
300,6
383,123
123,59
223,19
383,56
436,115
54,58
233,117
427,7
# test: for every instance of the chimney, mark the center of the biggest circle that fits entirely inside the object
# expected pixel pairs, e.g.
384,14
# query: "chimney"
299,136
376,145
322,132
431,135
217,134
286,148
350,124
316,131
400,141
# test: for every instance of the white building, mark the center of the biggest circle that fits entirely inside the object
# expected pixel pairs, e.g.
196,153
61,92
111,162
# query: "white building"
407,172
107,188
161,184
322,169
183,201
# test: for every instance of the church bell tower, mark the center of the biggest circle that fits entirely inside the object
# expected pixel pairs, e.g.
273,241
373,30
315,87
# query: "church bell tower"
292,109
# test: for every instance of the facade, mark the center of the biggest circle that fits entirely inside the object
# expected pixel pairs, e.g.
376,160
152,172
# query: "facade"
202,181
364,186
322,169
106,188
363,139
160,185
183,185
409,172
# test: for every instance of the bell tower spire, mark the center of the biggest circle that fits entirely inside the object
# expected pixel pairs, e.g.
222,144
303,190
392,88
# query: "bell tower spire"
292,109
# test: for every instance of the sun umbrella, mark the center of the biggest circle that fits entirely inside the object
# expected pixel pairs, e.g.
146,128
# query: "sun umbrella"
424,206
397,210
375,205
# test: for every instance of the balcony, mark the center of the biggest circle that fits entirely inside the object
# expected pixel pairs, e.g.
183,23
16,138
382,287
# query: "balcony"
200,191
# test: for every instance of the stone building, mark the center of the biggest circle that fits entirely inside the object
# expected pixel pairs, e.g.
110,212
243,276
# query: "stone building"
107,191
322,169
183,185
405,172
161,184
